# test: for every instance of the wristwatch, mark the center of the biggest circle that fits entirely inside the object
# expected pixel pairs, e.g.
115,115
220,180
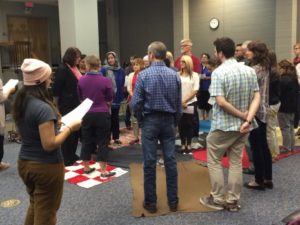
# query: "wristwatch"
249,122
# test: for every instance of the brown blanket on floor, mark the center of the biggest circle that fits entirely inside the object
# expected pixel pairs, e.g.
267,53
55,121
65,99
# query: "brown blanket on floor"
193,183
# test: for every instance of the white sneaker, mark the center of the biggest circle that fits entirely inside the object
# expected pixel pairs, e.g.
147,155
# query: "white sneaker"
196,146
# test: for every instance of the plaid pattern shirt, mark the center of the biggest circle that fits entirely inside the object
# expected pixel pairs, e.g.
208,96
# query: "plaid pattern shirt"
237,84
157,89
263,79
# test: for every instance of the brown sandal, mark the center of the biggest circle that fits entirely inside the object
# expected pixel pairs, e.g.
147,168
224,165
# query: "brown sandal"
4,166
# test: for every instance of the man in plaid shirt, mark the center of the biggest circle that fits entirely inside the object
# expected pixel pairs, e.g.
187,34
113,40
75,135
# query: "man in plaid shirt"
235,89
156,104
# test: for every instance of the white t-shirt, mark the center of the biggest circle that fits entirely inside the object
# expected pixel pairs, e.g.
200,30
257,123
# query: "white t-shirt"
188,85
298,72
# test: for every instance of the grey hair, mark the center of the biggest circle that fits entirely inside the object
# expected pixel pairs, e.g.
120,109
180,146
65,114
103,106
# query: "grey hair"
158,49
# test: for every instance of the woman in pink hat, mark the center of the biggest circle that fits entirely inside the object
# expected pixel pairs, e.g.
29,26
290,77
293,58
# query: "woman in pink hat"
40,161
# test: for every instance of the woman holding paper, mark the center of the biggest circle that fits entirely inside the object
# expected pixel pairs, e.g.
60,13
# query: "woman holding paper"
96,123
4,93
40,163
189,86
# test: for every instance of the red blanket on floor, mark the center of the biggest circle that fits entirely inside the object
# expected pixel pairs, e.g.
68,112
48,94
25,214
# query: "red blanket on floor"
202,156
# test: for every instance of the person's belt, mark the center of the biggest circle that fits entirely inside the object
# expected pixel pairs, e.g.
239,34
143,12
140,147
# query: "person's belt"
160,113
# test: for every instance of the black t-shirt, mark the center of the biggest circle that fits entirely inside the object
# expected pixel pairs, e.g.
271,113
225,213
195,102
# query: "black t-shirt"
289,92
36,113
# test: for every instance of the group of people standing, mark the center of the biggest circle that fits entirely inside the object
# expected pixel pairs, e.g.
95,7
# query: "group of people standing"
277,91
161,98
65,93
245,94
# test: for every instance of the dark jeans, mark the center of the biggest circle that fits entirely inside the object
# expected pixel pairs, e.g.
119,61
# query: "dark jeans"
185,128
95,133
115,123
44,183
1,147
262,158
127,116
69,148
297,113
195,120
159,126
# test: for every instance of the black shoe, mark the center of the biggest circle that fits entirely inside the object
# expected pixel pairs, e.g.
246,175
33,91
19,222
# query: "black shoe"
233,207
117,142
106,175
259,187
269,184
150,207
89,171
173,206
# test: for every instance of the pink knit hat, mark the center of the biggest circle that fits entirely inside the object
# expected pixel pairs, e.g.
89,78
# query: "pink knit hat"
35,71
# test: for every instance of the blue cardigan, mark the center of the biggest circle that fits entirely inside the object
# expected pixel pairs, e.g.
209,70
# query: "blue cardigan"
119,80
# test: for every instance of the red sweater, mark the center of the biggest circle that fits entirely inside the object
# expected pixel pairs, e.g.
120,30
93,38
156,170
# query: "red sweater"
196,63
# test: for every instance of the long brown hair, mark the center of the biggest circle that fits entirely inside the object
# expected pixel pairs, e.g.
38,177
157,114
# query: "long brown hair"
288,69
20,103
71,55
260,54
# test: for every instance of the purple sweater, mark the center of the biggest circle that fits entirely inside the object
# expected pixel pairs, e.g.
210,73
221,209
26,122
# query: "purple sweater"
97,88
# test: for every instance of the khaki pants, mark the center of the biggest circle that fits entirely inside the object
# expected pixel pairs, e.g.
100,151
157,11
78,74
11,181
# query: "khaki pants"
272,122
218,142
44,184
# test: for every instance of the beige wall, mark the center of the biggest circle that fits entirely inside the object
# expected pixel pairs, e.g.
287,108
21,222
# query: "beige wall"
298,22
181,26
286,24
79,25
239,19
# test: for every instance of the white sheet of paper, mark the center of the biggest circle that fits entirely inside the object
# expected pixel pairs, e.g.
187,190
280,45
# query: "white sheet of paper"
189,109
77,114
12,83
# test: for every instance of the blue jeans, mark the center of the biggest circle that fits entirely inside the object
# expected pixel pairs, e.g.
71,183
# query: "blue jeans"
159,126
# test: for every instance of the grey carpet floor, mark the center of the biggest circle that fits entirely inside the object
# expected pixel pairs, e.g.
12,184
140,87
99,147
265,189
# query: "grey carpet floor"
111,203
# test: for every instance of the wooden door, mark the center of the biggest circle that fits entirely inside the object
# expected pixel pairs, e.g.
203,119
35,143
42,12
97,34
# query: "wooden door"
17,28
34,30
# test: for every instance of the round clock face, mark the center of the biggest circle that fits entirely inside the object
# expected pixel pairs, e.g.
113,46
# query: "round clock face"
214,23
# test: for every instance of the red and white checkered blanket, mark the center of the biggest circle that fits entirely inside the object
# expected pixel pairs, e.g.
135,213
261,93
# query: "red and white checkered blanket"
74,174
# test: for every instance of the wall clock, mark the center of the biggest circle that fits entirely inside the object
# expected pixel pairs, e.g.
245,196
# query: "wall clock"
214,23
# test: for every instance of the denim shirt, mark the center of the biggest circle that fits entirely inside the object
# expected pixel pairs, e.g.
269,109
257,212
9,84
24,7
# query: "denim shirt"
158,89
